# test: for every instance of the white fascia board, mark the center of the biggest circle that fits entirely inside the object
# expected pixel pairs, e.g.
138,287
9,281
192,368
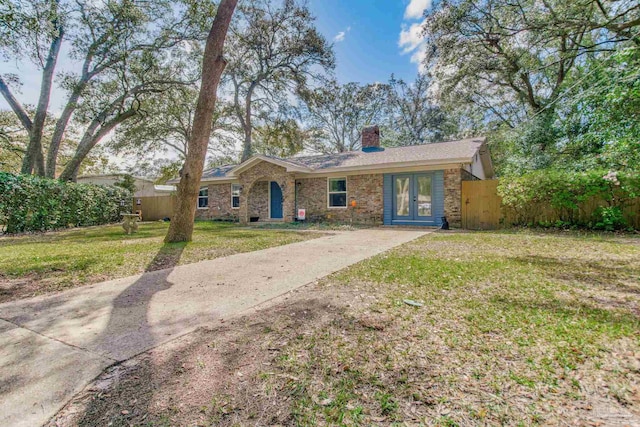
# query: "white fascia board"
397,165
289,167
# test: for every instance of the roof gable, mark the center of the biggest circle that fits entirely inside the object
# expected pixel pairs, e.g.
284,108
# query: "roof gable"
285,163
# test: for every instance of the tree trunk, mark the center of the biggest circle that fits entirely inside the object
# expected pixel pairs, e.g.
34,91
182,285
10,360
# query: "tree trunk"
94,133
247,149
33,158
58,133
247,126
213,64
15,106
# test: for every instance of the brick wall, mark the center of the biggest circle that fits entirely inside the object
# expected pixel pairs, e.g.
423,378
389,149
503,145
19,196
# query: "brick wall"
266,172
219,203
371,137
453,194
366,190
259,200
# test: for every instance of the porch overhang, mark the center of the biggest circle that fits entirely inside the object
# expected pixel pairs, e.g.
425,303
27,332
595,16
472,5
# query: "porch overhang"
288,166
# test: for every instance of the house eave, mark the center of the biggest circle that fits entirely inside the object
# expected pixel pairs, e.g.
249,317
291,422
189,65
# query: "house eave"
221,180
379,168
392,165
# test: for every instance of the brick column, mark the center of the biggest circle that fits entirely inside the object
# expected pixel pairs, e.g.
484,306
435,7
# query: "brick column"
288,186
453,196
243,212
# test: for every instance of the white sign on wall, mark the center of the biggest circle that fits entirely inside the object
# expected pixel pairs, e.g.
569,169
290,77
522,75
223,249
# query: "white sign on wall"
302,214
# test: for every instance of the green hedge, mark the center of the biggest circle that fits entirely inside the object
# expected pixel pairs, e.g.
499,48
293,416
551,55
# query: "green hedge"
29,203
592,199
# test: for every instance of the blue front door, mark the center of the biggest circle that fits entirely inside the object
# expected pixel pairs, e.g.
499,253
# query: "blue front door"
412,197
276,200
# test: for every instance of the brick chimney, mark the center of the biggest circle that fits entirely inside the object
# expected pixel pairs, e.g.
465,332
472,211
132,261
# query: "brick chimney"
371,138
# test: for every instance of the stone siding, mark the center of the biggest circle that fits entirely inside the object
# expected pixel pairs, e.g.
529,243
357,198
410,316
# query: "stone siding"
366,190
219,204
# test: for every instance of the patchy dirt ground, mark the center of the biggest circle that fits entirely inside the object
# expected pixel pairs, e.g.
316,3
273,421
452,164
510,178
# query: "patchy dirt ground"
510,329
212,376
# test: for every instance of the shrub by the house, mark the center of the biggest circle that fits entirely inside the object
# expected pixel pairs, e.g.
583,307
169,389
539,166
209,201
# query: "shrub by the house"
593,199
30,203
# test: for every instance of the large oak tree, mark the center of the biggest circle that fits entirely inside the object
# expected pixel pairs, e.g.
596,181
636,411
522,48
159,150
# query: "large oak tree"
273,50
124,51
413,115
512,57
213,65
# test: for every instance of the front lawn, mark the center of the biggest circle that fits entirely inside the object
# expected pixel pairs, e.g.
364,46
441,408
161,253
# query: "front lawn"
514,329
40,263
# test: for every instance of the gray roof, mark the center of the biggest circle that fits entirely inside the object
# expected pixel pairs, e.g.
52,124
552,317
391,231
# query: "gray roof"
440,152
436,152
219,172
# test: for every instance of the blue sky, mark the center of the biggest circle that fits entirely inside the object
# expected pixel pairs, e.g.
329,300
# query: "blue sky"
369,50
372,39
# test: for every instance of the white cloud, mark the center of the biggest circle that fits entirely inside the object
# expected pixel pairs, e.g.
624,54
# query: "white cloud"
418,57
416,8
411,40
411,37
341,35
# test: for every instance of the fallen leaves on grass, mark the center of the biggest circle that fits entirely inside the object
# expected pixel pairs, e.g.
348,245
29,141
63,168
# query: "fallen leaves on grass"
516,329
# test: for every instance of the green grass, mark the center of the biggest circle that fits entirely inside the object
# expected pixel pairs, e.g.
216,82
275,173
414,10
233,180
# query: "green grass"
302,225
34,264
516,328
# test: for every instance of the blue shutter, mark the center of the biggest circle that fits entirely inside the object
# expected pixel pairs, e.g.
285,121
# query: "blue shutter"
387,197
438,197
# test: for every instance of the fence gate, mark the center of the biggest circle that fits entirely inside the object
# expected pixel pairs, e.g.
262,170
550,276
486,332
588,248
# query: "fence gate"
480,205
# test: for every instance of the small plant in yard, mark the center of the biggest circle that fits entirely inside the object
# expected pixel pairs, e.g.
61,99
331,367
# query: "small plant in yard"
610,218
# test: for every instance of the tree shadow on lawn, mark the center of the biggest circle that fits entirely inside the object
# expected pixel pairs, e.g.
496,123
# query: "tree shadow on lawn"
571,312
209,377
632,238
617,275
129,329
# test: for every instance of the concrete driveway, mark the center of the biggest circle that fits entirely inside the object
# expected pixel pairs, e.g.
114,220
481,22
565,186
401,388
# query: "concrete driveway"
52,346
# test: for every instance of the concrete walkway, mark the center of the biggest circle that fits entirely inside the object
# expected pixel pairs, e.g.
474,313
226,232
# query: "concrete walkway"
52,346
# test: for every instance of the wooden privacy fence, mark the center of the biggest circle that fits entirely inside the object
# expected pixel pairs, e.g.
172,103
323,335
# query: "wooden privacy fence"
482,209
481,205
154,208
